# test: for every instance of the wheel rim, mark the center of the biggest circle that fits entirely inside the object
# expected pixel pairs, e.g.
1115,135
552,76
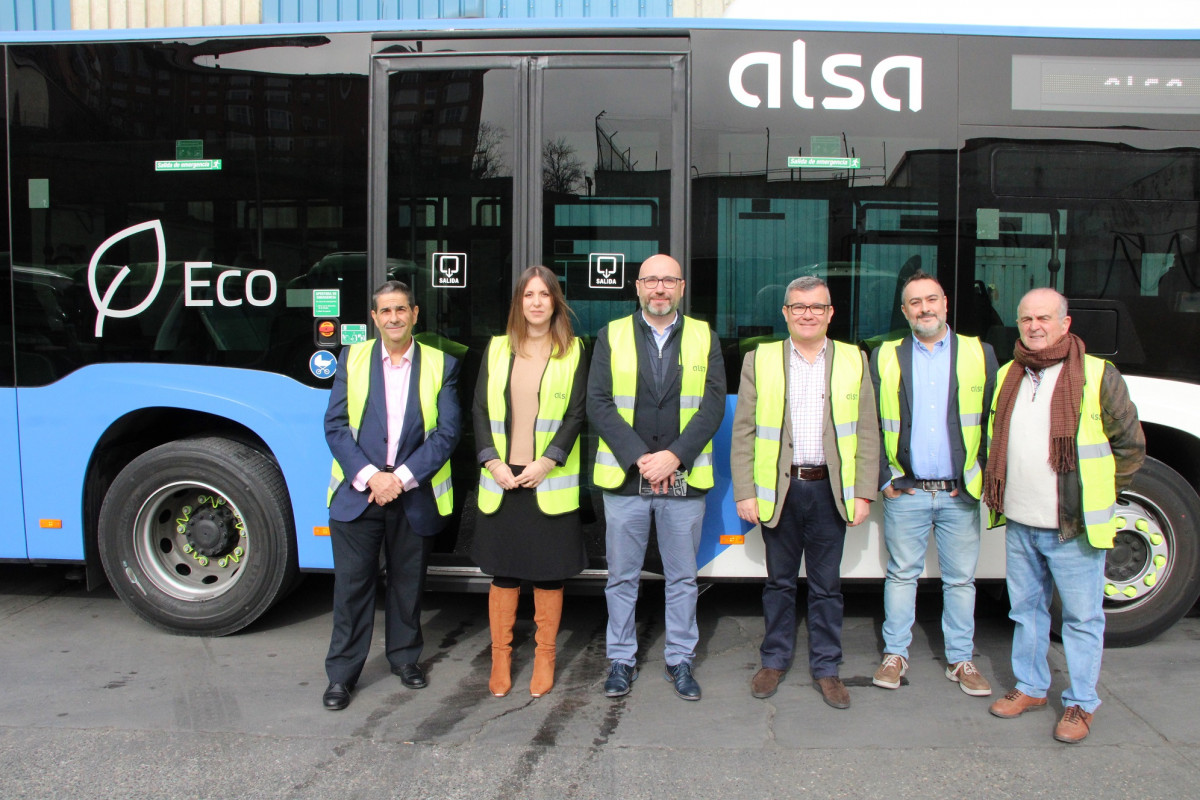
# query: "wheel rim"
190,541
1142,556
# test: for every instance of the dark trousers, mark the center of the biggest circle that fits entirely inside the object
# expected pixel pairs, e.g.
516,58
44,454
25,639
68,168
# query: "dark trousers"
356,548
811,528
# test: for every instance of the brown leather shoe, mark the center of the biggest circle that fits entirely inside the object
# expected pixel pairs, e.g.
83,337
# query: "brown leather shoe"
1014,704
765,682
1074,726
833,691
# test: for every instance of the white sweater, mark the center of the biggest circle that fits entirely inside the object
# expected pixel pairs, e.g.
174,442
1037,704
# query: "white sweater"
1031,486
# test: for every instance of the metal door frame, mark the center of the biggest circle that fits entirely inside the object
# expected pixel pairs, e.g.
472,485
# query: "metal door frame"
528,71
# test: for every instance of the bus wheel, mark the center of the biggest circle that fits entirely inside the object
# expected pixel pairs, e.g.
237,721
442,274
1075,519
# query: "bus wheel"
196,536
1152,574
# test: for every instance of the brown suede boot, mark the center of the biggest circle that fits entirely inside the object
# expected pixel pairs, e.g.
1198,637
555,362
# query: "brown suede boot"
547,613
502,614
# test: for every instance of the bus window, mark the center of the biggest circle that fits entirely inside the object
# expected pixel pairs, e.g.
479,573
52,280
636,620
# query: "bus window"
789,191
1111,226
215,189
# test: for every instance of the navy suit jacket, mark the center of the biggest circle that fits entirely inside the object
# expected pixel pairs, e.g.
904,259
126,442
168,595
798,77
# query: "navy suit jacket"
422,456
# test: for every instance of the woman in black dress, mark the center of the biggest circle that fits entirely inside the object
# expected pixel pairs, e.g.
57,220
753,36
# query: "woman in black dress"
528,411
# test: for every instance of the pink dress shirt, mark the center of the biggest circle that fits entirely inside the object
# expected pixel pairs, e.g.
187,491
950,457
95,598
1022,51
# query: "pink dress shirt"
395,383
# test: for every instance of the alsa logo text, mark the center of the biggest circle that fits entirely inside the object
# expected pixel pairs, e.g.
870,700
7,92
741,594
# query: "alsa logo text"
837,72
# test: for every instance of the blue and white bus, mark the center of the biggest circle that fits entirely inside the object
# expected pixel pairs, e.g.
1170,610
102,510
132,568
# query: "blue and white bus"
195,219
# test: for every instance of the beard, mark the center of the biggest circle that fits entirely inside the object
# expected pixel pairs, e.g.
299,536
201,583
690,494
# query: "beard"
928,327
668,311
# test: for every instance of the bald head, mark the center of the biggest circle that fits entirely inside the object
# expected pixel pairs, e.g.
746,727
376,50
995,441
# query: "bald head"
658,299
1042,318
661,265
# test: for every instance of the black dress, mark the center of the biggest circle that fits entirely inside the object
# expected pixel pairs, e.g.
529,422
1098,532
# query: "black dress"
519,540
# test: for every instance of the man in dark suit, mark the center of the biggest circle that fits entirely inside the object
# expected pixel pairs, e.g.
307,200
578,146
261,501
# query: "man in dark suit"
391,424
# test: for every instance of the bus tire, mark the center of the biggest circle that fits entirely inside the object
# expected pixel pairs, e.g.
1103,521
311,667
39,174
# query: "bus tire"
1152,574
196,536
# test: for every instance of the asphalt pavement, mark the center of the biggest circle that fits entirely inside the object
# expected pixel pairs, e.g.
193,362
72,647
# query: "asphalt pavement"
97,704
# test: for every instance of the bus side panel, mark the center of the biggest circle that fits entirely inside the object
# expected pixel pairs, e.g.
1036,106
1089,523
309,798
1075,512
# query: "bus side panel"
62,423
12,527
864,554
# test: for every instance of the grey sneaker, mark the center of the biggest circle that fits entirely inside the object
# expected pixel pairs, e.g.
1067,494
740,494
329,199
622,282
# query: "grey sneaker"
890,671
968,679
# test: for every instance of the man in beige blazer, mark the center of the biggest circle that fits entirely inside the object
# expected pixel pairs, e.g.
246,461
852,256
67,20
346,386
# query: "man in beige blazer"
805,459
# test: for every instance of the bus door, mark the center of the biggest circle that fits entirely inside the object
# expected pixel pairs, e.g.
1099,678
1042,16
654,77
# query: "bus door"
485,164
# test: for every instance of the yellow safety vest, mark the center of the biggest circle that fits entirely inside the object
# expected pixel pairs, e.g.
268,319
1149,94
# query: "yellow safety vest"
558,493
358,386
972,376
695,341
1094,457
770,384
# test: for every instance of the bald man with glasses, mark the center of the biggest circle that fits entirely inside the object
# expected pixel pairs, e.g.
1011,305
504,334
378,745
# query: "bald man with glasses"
656,396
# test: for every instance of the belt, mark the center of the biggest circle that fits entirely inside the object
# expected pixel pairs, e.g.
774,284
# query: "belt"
388,468
935,486
818,473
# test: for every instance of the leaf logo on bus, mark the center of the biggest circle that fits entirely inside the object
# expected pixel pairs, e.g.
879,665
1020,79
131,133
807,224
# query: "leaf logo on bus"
830,72
103,302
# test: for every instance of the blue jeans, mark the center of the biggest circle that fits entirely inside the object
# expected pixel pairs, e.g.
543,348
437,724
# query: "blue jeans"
678,522
955,523
809,528
1036,558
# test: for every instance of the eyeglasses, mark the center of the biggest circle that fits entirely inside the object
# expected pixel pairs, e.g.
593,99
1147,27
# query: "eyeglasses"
798,309
652,282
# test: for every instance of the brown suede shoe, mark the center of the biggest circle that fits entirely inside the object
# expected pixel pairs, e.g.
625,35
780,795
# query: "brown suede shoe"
765,682
890,671
1074,726
968,678
833,691
1014,704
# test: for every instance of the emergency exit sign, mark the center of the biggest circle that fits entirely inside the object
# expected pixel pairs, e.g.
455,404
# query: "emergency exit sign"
189,157
823,162
198,165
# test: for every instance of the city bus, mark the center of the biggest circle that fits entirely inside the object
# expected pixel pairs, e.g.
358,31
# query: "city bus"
194,220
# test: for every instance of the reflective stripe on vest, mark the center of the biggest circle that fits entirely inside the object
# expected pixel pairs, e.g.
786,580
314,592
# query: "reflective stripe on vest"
972,375
694,344
770,385
558,493
358,385
1096,464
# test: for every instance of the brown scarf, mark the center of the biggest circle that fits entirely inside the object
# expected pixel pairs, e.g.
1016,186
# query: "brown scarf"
1064,412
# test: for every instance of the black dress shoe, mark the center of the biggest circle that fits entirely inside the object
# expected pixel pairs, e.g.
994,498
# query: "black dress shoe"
685,685
411,675
337,696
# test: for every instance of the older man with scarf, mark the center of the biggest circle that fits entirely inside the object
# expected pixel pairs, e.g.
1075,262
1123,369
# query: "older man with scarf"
1065,439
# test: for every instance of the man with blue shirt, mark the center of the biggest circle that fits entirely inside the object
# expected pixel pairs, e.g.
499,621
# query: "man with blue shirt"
933,388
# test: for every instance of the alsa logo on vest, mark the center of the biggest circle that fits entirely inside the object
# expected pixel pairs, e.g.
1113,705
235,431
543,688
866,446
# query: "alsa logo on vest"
829,71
